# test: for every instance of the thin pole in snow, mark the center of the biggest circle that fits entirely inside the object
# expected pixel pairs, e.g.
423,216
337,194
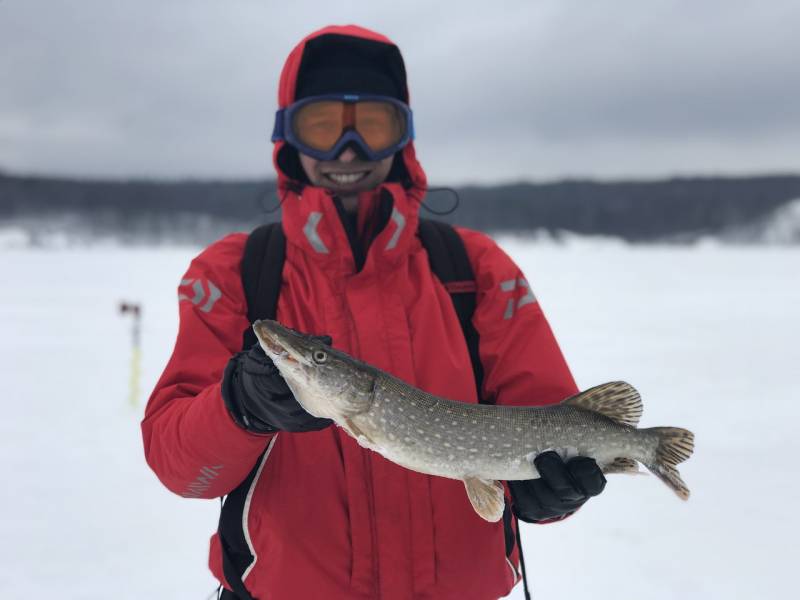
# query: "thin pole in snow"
135,310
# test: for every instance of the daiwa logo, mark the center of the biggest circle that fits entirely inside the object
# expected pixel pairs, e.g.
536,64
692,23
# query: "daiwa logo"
204,296
511,285
203,481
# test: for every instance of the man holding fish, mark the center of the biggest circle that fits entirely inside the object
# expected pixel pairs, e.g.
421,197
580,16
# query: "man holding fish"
312,510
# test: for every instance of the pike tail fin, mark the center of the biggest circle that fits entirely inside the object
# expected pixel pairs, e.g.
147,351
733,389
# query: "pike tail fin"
675,446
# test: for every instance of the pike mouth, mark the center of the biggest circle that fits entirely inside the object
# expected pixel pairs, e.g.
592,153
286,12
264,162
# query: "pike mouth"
275,339
268,341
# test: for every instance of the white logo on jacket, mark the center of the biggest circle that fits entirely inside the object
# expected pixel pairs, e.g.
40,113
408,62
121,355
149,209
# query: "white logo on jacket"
510,285
204,293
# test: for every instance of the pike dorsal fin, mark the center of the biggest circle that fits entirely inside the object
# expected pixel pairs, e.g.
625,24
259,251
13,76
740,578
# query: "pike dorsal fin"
487,497
618,401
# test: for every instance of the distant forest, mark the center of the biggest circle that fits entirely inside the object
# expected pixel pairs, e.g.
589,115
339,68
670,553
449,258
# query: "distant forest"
677,209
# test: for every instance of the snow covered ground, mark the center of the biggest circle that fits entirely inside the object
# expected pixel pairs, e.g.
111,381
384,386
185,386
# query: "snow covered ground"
708,334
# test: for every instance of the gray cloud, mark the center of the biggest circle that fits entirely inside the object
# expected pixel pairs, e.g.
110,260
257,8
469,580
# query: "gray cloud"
535,90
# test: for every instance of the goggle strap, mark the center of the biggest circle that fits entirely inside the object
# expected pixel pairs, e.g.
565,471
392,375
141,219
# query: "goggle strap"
278,133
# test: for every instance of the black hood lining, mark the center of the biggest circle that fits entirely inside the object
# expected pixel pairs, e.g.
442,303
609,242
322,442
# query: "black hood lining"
339,64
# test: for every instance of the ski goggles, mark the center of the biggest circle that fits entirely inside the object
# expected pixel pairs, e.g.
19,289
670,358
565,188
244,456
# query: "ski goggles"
322,126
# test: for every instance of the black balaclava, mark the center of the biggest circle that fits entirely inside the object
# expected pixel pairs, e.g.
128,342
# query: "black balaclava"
341,64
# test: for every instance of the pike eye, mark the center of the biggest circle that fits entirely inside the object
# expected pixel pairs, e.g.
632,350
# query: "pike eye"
320,356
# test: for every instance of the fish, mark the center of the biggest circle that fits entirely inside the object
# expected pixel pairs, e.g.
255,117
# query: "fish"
479,444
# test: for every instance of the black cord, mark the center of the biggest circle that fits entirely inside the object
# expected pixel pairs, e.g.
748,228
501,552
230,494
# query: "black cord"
218,593
522,564
445,212
261,197
269,210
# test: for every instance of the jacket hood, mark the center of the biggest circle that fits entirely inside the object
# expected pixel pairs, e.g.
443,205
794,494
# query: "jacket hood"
287,87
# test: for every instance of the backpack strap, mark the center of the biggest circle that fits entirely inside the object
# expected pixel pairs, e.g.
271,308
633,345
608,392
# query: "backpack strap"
262,270
450,263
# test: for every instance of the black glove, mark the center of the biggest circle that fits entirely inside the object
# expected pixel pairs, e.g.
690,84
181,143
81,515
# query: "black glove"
258,398
562,488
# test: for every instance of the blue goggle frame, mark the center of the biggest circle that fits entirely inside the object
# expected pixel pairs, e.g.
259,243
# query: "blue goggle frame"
285,116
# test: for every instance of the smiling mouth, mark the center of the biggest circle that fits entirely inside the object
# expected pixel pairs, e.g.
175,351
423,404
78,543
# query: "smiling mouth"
346,178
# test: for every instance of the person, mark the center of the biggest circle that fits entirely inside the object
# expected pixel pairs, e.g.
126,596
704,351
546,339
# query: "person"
309,513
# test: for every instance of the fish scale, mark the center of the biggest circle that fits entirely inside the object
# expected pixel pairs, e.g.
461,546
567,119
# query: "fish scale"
479,444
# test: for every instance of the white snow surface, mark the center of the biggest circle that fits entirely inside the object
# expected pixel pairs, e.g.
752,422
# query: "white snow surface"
709,335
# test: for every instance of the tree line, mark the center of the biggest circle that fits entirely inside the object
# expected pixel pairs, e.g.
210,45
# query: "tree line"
202,210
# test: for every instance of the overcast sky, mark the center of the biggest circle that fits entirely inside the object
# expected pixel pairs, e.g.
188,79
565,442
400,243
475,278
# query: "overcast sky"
502,91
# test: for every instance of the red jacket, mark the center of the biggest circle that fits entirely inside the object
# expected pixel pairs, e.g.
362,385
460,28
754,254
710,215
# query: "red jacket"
323,517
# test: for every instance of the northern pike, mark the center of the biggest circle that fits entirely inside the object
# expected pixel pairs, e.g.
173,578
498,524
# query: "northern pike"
477,443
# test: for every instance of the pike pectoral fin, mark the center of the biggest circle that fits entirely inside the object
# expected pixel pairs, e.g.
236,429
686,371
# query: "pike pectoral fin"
352,429
363,440
622,465
486,496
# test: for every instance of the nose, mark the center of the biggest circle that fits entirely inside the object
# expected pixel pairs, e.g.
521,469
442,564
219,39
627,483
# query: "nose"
348,155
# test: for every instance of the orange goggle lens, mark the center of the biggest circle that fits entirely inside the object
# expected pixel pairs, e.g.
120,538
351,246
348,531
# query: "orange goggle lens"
319,125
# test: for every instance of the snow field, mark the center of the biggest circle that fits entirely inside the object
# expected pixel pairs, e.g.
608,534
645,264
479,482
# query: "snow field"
707,334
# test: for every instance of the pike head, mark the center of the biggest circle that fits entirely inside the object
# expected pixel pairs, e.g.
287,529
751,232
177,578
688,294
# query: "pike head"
326,382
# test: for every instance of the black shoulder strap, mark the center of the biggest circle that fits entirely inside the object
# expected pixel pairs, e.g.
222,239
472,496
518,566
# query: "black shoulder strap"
262,268
450,263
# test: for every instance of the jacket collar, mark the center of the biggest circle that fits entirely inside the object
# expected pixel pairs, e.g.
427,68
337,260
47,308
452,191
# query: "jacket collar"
312,224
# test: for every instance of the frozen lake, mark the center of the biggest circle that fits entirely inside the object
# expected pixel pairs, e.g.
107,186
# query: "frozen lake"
709,335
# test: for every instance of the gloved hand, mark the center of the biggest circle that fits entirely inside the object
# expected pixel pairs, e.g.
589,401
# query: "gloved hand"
562,488
258,398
